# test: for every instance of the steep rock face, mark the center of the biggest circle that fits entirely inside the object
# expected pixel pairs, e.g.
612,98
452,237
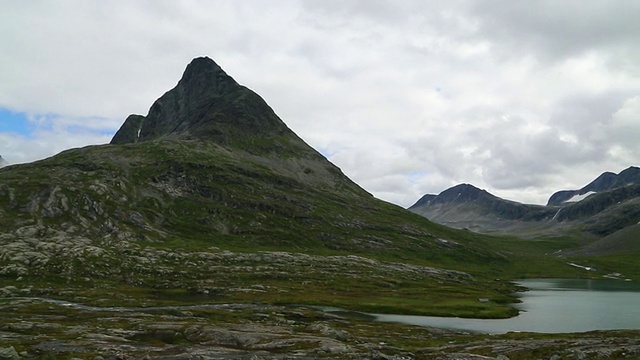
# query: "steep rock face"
129,132
207,104
604,182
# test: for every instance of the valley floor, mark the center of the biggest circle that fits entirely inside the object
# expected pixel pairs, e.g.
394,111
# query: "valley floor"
49,329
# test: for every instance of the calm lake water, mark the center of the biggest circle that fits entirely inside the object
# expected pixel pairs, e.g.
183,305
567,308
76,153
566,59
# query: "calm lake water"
555,306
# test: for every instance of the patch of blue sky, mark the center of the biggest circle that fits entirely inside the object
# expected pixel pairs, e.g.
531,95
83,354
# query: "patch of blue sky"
85,129
15,122
326,152
26,124
416,176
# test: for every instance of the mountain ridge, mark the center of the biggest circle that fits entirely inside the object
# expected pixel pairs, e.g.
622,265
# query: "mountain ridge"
608,204
606,181
466,206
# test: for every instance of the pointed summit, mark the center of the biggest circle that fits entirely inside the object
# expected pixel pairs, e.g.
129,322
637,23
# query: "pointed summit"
206,104
204,74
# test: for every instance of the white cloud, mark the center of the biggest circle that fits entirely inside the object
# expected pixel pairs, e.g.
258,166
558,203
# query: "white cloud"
53,134
520,98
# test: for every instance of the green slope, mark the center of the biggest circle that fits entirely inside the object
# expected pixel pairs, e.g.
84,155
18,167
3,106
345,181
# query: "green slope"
109,215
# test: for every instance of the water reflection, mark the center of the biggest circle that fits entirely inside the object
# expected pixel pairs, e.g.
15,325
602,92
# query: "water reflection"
555,306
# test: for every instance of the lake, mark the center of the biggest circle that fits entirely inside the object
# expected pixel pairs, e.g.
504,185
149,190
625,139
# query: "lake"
554,306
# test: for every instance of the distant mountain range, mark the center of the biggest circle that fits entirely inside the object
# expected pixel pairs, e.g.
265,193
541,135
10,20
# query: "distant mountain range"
607,205
604,182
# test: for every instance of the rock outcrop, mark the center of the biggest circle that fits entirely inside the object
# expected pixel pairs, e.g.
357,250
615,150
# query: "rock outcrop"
130,131
207,104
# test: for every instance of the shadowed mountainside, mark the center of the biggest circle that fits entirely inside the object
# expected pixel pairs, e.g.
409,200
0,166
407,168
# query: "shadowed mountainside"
609,204
606,181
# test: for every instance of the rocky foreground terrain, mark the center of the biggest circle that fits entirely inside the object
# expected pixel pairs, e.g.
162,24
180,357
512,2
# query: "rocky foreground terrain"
241,331
233,313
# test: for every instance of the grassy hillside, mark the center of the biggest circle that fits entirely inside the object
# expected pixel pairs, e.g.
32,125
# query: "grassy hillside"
177,217
137,215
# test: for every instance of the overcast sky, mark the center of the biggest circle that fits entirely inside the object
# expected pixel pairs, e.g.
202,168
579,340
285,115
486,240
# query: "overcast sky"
521,98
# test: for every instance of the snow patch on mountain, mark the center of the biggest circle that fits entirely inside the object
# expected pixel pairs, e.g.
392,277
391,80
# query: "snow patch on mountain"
580,197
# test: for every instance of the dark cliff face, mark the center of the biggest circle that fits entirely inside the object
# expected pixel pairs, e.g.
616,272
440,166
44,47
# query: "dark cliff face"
206,104
129,132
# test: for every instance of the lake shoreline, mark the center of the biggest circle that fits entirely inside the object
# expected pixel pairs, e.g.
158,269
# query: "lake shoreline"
552,306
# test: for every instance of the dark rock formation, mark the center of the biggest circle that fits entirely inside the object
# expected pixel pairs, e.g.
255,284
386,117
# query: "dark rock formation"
129,132
604,182
206,104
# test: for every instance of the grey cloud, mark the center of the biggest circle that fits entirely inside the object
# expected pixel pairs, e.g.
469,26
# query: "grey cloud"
558,29
342,12
580,112
406,97
20,149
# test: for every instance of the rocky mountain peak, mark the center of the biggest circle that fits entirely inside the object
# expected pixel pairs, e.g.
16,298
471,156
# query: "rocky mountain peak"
606,181
630,175
203,74
206,104
462,193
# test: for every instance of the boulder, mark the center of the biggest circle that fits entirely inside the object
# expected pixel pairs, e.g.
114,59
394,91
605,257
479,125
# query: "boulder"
9,353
